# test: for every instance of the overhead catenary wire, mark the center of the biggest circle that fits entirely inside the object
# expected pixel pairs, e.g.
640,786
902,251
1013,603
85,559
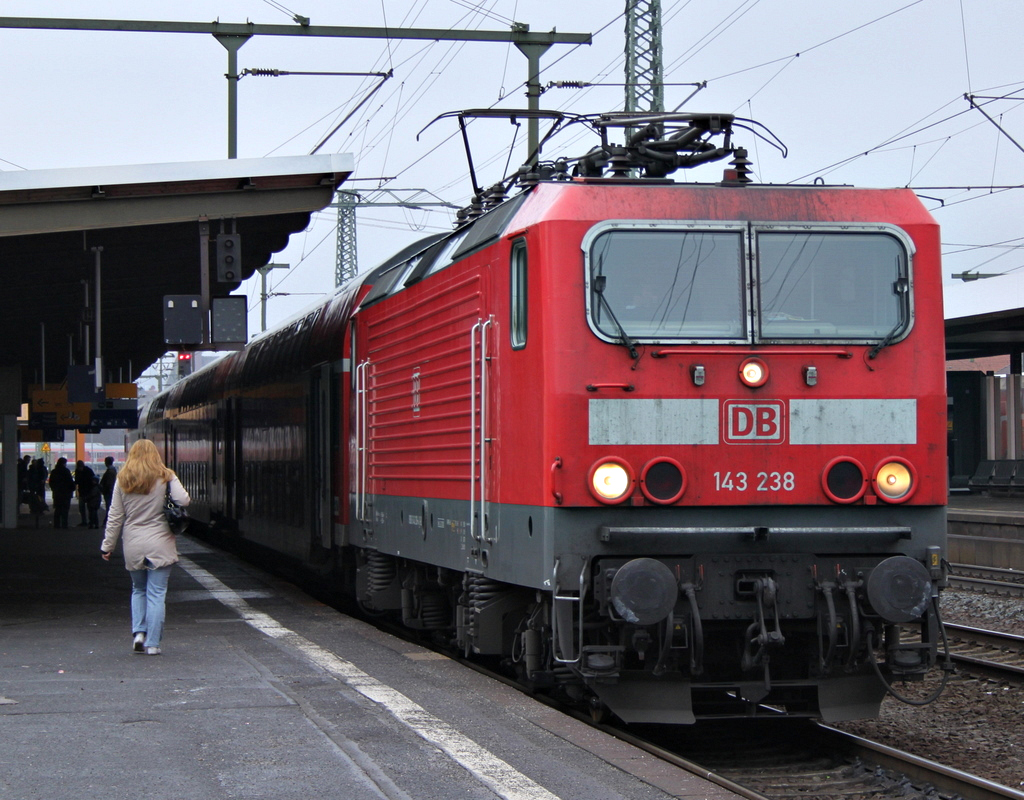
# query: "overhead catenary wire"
479,9
819,45
723,25
285,10
906,133
378,136
967,57
729,19
1009,243
432,76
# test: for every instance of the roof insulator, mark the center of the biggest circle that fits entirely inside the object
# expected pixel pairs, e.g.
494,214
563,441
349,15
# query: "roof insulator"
494,196
740,172
620,164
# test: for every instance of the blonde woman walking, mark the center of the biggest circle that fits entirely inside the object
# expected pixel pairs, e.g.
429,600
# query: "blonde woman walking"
137,513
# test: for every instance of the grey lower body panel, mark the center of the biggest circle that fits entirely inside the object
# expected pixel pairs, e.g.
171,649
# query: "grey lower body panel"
519,544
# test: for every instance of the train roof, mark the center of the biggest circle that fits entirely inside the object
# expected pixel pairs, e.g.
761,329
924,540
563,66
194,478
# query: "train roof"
311,337
588,200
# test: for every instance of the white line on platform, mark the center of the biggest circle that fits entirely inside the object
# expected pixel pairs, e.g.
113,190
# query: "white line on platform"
498,775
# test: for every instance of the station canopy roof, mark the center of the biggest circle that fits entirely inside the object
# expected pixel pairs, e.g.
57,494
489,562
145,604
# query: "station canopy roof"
147,219
995,333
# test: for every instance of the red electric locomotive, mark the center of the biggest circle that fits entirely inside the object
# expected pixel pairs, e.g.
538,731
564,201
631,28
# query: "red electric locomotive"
675,450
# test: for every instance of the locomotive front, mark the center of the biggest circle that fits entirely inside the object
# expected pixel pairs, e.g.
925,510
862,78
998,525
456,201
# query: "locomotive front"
745,427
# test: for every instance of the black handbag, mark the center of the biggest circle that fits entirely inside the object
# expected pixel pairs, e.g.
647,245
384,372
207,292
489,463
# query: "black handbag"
177,516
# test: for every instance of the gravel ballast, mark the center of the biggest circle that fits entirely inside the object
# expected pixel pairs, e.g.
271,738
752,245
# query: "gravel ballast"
977,725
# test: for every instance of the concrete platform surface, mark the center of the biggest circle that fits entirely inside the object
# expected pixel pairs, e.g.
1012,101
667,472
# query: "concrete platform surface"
262,692
1007,508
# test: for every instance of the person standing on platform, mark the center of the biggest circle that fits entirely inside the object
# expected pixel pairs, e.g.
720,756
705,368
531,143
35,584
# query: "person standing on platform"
23,479
62,487
88,495
37,475
137,514
107,481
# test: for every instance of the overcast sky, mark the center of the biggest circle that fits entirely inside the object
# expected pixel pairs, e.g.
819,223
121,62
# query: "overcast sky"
868,93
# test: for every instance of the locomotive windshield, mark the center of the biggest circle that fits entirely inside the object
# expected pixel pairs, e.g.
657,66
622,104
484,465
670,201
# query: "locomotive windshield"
672,283
830,285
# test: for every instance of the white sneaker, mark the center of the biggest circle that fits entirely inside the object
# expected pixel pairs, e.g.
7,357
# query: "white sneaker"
152,651
138,642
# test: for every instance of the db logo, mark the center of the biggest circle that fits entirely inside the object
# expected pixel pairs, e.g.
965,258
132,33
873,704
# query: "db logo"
754,423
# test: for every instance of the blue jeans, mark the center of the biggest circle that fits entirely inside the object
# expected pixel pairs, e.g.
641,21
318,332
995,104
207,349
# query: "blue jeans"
149,589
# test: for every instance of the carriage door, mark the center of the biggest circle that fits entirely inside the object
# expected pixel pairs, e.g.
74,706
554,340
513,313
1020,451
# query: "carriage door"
321,433
232,445
171,453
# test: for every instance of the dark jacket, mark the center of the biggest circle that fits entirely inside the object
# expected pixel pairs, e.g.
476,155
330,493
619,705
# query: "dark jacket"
37,475
85,481
107,481
62,482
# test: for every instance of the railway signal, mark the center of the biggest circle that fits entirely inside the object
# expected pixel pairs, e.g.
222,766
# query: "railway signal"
184,364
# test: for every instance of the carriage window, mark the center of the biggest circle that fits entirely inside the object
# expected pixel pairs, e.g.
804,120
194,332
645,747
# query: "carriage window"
831,285
658,284
517,297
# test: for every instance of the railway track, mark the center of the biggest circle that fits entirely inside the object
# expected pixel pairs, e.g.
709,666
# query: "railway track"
785,758
782,759
987,580
995,653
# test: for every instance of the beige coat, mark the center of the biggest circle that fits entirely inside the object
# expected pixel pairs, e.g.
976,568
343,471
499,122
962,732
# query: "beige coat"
148,541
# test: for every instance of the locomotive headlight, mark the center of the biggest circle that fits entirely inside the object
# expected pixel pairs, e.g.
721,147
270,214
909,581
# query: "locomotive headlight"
895,480
611,480
754,372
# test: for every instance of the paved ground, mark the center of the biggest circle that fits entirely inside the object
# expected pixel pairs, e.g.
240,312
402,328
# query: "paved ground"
1006,506
261,692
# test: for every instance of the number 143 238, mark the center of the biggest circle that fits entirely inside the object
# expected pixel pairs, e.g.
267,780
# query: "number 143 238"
761,482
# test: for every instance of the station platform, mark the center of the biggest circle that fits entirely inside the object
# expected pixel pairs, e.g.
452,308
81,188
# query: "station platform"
986,530
263,692
964,506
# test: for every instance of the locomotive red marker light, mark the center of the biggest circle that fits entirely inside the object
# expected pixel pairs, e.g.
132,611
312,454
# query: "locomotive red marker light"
611,480
895,480
663,481
754,372
844,480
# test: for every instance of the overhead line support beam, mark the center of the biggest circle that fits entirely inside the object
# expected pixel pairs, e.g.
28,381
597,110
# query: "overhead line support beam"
515,35
233,35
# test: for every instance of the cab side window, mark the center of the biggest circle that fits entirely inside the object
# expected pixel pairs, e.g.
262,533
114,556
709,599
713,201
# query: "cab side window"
517,297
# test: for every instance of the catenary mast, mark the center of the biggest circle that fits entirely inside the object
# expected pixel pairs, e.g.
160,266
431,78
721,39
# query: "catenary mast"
645,89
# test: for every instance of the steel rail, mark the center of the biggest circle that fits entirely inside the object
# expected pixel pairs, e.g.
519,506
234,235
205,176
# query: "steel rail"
980,637
945,779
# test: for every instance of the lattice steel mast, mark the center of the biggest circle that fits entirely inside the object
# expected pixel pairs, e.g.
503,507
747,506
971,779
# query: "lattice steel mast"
645,88
347,264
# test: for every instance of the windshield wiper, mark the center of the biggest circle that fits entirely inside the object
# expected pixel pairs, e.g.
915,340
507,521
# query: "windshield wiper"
599,282
900,287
